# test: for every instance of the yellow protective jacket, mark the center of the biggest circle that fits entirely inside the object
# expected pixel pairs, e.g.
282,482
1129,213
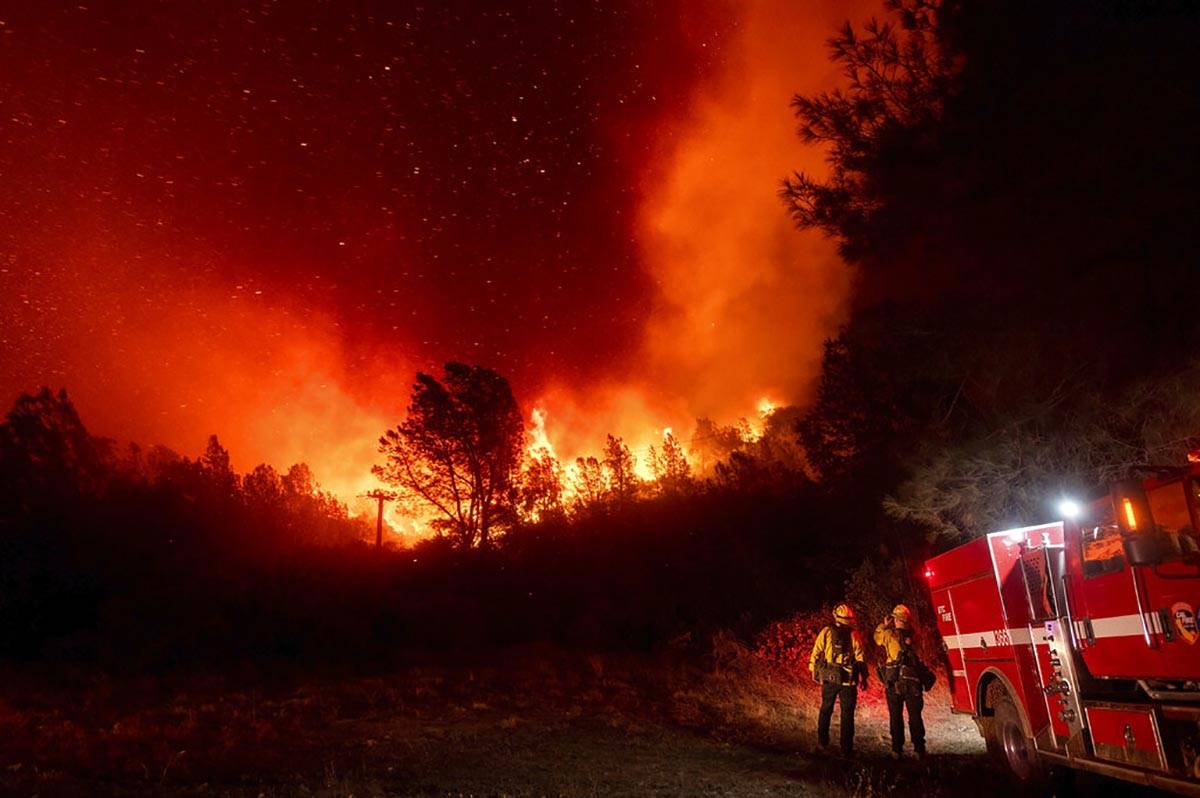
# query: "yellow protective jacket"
906,675
888,639
823,651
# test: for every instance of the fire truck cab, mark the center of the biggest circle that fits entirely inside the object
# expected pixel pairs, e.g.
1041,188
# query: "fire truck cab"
1075,644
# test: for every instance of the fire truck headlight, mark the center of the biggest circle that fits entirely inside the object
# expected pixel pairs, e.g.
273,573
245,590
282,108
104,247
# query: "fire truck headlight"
1069,508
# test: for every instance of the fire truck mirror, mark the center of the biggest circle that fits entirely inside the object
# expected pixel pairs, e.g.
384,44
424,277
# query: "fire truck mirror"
1143,549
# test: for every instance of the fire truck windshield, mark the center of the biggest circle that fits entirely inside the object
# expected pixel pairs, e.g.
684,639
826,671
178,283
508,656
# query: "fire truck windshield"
1102,549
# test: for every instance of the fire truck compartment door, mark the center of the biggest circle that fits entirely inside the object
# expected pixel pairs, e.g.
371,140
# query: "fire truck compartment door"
961,694
1054,657
1129,735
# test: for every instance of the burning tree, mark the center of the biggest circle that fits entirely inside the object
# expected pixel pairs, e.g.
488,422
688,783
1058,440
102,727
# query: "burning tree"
542,487
672,472
459,452
588,485
713,443
619,463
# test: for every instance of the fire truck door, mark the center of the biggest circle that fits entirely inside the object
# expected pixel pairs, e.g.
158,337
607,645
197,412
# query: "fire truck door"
1173,595
1172,586
1118,634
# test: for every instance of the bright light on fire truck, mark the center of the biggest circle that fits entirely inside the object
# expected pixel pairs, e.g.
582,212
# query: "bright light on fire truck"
1069,508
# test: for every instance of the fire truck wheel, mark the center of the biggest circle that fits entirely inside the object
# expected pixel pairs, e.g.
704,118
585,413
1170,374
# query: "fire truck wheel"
1010,743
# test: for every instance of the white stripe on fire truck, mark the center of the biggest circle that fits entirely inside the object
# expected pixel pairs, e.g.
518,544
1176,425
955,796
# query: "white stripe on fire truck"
993,637
1119,626
1115,626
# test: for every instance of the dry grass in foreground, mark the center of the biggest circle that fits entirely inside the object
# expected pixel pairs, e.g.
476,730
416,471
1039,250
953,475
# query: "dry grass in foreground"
532,722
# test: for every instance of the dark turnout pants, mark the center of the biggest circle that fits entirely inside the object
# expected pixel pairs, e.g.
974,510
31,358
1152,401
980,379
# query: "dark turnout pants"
914,703
847,696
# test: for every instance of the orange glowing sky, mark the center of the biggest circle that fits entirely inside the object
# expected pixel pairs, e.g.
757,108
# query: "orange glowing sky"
260,222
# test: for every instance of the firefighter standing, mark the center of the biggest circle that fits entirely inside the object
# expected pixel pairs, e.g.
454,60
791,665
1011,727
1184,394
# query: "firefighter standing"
905,678
837,664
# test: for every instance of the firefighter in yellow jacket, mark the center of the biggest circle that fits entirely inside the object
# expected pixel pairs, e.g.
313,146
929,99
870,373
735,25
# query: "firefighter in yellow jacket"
905,678
837,664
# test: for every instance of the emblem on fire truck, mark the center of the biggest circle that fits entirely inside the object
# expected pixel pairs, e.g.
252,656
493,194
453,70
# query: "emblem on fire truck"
1185,621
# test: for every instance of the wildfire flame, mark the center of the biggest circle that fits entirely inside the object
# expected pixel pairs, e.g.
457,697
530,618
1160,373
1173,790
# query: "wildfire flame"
539,441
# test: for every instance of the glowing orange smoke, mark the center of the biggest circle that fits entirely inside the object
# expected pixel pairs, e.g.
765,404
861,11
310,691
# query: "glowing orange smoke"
745,301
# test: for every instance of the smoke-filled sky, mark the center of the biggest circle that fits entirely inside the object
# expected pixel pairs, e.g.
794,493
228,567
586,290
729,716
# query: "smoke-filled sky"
258,219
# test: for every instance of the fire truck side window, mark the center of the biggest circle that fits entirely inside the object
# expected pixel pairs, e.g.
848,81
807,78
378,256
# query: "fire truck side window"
1168,505
1103,552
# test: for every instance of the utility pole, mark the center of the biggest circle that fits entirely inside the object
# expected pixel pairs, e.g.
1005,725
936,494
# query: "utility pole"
379,496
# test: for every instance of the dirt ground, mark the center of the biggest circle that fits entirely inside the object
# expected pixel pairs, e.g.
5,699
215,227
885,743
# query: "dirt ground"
532,724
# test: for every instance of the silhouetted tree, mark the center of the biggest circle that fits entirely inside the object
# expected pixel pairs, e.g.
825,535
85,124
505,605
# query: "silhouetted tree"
299,481
986,174
1039,451
976,156
222,481
849,431
588,483
898,77
158,462
47,456
780,442
742,472
619,463
459,451
263,487
672,472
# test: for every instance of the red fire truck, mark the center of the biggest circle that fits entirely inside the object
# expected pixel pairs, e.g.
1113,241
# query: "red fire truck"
1074,644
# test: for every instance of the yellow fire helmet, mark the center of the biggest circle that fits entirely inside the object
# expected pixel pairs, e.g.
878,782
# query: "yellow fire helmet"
843,614
902,615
